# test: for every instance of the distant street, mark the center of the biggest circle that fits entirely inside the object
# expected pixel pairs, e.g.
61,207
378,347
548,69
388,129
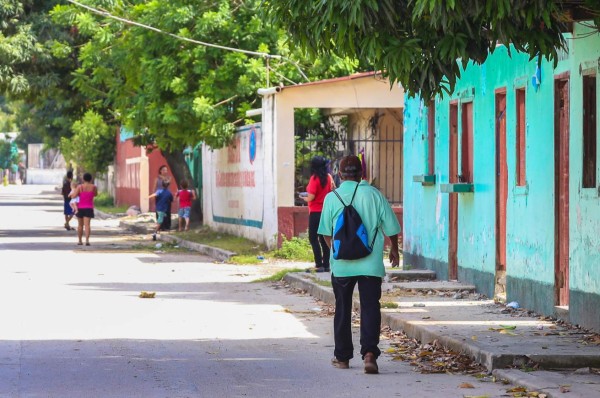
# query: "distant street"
72,324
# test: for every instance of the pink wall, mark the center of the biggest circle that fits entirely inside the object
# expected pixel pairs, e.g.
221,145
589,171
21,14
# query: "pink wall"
127,176
127,173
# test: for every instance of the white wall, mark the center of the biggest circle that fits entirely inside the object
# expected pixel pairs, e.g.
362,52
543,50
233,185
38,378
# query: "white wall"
45,176
239,193
353,92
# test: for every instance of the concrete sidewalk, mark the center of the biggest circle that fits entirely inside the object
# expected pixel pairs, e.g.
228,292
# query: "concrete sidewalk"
504,340
508,342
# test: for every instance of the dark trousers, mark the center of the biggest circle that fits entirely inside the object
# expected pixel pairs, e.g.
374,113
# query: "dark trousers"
369,289
166,224
317,242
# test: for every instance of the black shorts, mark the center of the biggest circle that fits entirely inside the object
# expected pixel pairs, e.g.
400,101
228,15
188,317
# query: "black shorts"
81,213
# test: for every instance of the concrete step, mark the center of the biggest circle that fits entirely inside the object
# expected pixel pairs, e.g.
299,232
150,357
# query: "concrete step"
433,286
397,275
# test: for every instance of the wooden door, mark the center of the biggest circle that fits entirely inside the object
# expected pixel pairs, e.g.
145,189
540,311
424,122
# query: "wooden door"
453,197
501,181
561,176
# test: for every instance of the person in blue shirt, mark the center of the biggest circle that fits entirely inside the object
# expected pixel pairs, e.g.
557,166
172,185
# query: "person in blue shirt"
164,198
368,272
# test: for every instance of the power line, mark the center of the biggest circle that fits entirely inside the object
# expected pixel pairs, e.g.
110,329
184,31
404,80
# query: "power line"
152,28
141,25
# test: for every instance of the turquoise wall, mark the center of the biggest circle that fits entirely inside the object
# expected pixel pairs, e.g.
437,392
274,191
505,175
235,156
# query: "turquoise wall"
530,209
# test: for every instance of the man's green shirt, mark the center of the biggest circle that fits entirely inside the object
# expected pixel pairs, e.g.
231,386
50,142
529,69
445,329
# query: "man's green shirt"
376,214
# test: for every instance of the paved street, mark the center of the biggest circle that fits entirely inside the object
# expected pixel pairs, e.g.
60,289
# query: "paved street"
72,324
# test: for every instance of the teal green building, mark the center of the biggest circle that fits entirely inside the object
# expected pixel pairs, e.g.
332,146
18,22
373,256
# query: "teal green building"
503,180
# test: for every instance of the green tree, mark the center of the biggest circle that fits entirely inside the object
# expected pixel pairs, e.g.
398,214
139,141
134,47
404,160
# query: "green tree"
170,91
8,154
7,117
173,92
92,146
37,58
423,43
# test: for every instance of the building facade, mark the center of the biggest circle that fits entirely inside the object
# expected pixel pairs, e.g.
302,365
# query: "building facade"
502,180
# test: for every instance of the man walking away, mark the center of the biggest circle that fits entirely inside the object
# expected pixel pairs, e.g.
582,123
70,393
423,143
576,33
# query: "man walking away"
368,272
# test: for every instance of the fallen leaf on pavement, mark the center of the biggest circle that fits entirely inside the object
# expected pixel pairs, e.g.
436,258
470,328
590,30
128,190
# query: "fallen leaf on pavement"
517,389
428,358
507,332
466,385
147,295
565,388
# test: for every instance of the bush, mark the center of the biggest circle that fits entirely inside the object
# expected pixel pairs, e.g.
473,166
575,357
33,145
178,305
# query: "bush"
104,199
297,249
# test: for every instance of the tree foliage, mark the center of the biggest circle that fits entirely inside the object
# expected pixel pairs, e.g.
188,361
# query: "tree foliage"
92,145
8,154
172,92
36,67
424,43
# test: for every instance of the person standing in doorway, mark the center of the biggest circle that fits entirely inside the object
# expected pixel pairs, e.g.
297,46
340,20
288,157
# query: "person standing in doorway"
163,175
368,272
66,190
319,185
85,210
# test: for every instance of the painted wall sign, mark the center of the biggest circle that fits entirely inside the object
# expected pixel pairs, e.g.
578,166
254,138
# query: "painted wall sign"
237,180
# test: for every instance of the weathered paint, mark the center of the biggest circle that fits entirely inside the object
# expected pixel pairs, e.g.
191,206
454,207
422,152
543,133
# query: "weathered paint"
238,192
136,170
530,242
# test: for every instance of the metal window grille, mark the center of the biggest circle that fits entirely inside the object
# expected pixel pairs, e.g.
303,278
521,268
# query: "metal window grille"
381,150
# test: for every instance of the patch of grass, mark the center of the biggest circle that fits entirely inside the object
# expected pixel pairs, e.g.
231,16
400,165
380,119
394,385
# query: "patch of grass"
247,251
276,277
388,304
112,209
166,247
246,259
321,282
298,249
104,199
241,246
106,203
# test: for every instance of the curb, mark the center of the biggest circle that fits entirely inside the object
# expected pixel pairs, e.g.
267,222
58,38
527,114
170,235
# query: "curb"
546,385
487,359
214,252
137,228
102,215
490,359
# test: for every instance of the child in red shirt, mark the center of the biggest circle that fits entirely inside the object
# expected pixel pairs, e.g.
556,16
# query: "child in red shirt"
185,196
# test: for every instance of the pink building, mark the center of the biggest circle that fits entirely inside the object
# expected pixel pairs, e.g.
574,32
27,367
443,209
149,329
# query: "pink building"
136,170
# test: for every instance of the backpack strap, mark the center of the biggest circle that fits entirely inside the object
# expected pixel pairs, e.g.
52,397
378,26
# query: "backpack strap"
339,197
355,189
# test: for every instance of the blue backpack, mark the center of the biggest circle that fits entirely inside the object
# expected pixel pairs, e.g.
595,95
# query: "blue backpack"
350,237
